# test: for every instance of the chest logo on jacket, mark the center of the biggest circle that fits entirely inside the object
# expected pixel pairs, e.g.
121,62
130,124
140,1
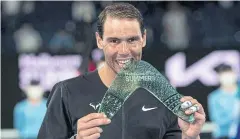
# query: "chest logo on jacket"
148,109
95,107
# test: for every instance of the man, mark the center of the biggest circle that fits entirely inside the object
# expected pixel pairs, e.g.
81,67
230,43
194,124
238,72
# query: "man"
73,104
224,104
29,113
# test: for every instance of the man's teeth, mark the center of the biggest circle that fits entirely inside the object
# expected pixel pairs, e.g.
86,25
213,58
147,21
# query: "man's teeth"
123,61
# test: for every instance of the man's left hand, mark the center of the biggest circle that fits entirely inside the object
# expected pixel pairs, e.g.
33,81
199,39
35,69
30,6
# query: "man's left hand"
192,106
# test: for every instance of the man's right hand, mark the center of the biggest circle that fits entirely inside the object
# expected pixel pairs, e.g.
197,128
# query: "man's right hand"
88,126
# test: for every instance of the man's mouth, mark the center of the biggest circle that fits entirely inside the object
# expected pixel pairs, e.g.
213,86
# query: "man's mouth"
122,62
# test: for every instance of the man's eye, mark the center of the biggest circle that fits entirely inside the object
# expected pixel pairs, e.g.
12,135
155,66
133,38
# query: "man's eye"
131,40
114,41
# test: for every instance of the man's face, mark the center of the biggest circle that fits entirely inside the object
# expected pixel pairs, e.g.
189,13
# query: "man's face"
122,41
228,78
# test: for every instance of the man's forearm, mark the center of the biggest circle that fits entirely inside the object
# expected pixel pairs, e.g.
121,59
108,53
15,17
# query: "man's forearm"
186,137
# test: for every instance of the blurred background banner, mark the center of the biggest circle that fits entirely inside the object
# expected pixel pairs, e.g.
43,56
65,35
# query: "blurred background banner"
53,41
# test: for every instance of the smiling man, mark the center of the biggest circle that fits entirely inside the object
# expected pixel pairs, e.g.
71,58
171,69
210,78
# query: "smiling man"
73,104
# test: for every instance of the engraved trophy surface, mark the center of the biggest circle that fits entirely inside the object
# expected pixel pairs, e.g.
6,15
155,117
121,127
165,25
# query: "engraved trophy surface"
140,74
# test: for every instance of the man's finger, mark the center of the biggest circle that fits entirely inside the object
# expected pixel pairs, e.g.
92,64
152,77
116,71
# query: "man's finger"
189,103
91,116
98,122
200,117
186,104
94,136
192,109
185,98
201,110
90,131
197,108
94,123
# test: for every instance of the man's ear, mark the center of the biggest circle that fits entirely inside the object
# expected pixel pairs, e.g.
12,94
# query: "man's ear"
99,41
144,37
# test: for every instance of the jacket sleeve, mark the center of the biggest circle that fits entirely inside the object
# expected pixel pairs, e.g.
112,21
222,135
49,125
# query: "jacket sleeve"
56,123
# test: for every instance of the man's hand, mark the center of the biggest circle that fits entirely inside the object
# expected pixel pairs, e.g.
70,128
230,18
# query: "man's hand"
192,106
87,126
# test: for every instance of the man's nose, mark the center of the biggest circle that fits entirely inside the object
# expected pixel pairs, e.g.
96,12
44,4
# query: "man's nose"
123,48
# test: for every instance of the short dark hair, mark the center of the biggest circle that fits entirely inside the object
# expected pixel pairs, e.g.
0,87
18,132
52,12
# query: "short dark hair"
119,10
223,68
